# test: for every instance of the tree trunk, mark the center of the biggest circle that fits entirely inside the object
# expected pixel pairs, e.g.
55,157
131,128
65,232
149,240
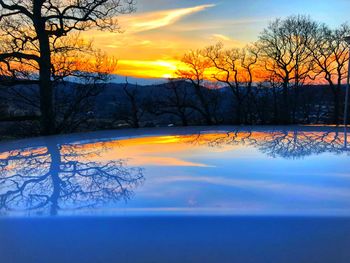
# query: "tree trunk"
239,112
285,106
135,111
295,104
183,119
47,121
54,151
46,101
204,105
275,106
336,102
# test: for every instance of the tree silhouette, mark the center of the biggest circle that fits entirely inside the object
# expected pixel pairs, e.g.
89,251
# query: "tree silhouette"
285,53
132,108
331,55
33,31
234,68
197,67
62,177
175,100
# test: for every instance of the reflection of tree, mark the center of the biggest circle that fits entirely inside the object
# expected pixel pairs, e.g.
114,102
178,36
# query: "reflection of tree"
286,144
62,177
296,144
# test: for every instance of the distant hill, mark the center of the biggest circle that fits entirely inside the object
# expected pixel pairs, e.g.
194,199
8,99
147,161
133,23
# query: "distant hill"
157,101
138,81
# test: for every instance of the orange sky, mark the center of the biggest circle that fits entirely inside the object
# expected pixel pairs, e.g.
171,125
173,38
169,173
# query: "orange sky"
143,48
156,36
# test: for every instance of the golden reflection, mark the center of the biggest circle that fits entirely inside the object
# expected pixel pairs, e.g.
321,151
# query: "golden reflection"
168,150
161,150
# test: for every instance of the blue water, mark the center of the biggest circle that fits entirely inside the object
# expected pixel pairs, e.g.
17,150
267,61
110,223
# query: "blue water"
177,195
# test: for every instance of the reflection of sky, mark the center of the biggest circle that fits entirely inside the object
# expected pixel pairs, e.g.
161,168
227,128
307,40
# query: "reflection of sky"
192,175
242,180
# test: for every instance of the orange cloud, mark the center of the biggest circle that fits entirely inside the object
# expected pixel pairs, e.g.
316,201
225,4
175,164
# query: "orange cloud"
154,20
221,37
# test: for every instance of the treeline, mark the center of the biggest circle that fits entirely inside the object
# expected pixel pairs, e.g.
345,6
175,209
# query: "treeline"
290,55
177,103
87,107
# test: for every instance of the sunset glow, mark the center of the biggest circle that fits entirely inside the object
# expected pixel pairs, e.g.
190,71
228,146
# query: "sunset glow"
155,37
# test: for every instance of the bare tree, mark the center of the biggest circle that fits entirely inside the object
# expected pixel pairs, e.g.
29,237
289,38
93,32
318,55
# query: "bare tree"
266,101
80,76
133,107
175,100
234,68
75,101
285,53
331,56
31,32
197,67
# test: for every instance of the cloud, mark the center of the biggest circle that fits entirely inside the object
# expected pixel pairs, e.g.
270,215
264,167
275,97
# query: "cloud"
163,161
221,37
153,20
223,23
227,40
319,192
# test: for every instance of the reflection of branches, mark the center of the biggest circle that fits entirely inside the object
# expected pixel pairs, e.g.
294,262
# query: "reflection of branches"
62,177
220,139
98,182
299,144
285,144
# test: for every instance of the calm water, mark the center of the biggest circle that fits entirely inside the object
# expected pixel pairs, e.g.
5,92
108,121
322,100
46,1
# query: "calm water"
194,191
195,172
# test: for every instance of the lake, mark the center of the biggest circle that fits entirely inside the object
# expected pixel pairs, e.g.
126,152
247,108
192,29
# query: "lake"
221,194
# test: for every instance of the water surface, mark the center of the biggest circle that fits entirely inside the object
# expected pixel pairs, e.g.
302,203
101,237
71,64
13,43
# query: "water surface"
223,171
